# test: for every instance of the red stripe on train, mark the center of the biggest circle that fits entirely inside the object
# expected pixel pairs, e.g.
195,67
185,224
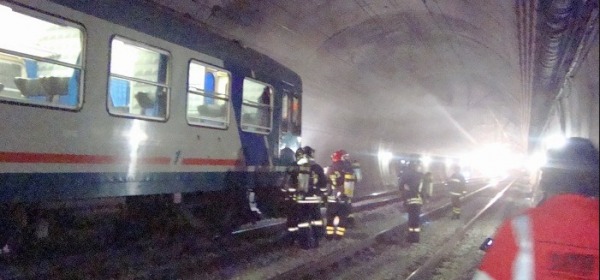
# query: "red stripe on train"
208,161
16,157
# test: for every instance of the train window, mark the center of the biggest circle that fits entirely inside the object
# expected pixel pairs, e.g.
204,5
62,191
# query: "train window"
285,114
257,110
290,114
40,59
296,115
138,80
208,95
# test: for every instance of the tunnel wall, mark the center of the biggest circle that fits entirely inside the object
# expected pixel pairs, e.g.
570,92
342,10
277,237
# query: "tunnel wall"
581,105
576,111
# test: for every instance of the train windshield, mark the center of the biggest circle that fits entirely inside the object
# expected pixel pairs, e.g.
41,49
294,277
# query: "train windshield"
40,59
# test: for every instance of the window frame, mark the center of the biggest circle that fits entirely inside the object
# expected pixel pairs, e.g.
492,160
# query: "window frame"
226,98
251,128
58,20
167,86
295,125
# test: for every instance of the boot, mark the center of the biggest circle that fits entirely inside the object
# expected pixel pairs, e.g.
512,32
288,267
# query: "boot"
412,237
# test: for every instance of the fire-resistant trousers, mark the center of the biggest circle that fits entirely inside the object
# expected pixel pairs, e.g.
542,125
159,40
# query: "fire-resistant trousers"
414,223
455,199
310,226
337,219
293,218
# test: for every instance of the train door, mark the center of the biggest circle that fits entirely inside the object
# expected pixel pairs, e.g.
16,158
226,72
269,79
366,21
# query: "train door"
290,128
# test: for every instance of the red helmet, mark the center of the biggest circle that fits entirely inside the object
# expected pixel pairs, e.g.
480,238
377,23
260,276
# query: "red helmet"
337,155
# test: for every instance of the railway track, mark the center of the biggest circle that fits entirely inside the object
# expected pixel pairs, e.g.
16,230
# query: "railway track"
187,256
332,260
76,258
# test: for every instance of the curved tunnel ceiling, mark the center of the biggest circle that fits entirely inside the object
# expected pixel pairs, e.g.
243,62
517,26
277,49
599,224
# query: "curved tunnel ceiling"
422,74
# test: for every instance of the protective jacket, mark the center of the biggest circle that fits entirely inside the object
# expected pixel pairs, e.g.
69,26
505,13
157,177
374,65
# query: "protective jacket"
290,195
341,181
312,185
412,182
456,187
456,184
556,240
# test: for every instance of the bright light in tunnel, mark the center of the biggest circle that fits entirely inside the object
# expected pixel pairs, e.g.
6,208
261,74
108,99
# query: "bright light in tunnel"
384,156
493,160
536,161
5,10
426,160
555,141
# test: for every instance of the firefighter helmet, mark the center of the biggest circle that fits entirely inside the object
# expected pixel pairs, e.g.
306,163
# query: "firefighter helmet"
299,153
572,168
308,151
337,155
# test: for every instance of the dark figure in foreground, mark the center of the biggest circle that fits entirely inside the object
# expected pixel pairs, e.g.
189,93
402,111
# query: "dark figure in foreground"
412,182
456,186
558,239
291,207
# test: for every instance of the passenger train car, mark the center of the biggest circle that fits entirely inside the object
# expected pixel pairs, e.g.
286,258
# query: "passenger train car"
112,99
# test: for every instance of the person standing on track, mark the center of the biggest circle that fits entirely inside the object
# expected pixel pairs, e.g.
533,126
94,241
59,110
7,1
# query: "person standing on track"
338,201
456,186
411,183
312,185
351,178
290,196
558,239
427,191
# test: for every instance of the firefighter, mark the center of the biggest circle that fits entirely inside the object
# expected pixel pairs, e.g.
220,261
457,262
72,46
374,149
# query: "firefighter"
456,187
412,183
338,199
290,196
558,239
312,185
427,191
351,178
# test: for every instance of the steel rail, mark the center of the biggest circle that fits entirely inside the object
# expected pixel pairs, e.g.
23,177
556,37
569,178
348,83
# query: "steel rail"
426,267
317,264
363,203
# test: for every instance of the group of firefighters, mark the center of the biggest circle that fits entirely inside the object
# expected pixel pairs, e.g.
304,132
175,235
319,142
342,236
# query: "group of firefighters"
310,186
